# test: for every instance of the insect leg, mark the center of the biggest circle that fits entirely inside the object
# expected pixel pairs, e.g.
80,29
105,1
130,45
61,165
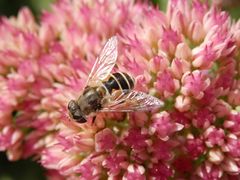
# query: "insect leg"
93,120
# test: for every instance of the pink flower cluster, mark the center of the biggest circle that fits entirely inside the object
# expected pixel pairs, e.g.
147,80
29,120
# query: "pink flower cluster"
189,57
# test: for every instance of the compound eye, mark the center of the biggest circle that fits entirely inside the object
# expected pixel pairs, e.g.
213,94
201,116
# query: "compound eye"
77,114
78,117
72,106
81,120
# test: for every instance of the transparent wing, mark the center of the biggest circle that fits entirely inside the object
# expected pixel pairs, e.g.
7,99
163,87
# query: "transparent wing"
129,101
105,62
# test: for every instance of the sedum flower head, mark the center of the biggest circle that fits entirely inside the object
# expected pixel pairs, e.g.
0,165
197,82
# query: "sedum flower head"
188,57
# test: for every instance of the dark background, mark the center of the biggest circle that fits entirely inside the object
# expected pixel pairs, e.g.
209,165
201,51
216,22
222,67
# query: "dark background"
11,7
27,169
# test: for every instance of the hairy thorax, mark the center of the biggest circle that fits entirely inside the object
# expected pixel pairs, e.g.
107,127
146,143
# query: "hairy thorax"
90,101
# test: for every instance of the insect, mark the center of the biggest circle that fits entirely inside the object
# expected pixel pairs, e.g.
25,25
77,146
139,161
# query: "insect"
106,92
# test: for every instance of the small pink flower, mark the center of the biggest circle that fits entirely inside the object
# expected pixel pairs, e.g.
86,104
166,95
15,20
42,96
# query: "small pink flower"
141,82
209,171
214,137
166,84
233,124
215,156
195,147
88,170
179,14
181,117
232,146
52,156
77,139
105,140
234,97
116,162
221,108
160,171
65,165
23,43
159,64
204,56
161,150
226,74
134,172
170,40
136,138
138,119
163,126
195,83
215,17
203,118
199,9
33,144
179,67
17,85
196,32
140,155
230,166
11,139
6,108
236,32
183,103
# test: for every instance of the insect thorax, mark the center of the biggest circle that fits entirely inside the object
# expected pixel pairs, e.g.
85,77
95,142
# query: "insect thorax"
90,100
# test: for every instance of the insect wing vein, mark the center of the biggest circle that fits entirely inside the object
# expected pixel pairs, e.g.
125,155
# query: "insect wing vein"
105,62
129,101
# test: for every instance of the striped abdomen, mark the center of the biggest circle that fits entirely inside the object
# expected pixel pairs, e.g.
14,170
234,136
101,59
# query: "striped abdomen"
119,81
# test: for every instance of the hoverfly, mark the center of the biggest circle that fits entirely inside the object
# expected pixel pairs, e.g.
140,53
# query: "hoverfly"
106,92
